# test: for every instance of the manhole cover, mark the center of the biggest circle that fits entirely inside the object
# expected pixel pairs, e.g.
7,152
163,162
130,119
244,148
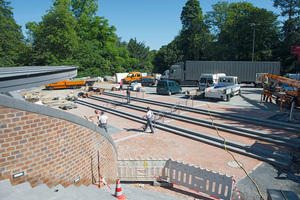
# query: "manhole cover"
234,164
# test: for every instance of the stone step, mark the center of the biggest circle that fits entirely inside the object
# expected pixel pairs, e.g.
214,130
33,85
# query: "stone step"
28,193
53,193
25,192
6,190
98,193
72,193
21,188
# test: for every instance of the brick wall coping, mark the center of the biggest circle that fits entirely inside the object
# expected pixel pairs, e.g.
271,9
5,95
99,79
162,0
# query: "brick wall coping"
10,102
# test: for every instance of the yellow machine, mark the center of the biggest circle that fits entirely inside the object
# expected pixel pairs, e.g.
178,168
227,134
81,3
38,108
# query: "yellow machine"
275,92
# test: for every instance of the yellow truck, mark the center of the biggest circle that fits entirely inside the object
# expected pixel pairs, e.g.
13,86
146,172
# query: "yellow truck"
133,76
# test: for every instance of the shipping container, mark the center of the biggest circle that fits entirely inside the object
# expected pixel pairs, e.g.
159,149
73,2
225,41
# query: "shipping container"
188,73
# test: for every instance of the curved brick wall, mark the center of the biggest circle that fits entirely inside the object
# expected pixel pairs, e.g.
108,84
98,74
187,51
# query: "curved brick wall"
51,146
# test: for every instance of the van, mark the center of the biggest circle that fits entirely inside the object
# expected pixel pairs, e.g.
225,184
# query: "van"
208,80
168,87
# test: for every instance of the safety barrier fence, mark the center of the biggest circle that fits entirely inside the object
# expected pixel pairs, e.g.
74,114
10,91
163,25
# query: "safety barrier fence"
178,173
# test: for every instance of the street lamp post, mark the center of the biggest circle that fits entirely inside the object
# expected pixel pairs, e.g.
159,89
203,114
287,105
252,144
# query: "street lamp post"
253,24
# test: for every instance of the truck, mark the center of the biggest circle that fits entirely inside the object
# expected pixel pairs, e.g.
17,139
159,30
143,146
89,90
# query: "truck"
165,75
188,73
227,87
133,76
74,84
259,81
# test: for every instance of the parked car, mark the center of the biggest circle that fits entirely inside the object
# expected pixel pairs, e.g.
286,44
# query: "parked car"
168,87
145,81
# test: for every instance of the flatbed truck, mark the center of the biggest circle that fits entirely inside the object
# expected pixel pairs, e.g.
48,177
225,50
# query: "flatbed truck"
73,84
227,87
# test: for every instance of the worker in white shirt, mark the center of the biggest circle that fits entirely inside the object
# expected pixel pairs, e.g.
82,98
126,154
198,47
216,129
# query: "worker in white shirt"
149,116
103,121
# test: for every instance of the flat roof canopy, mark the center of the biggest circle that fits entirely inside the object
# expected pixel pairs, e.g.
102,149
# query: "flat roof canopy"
16,78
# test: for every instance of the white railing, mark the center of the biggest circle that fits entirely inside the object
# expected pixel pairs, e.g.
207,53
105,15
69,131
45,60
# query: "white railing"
141,170
194,178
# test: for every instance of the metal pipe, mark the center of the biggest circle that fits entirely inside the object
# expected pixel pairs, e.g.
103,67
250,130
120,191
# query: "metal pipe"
253,24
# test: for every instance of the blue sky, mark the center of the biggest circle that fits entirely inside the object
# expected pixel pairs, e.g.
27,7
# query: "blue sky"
155,22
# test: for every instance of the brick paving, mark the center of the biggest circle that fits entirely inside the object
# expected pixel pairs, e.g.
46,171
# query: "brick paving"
131,142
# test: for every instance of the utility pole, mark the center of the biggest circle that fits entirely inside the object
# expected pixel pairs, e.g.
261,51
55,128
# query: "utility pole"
253,24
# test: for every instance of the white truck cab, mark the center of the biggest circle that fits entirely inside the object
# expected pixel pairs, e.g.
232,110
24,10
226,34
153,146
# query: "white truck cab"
209,80
165,75
227,87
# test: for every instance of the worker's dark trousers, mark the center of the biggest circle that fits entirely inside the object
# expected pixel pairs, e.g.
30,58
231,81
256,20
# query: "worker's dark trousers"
104,126
128,99
149,123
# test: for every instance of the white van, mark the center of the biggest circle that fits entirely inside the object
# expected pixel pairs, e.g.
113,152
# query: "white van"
208,80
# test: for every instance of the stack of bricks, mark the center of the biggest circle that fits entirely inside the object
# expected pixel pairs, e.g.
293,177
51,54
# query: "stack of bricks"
51,150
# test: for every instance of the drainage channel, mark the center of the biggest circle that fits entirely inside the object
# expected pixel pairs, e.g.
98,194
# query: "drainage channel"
236,117
245,132
272,157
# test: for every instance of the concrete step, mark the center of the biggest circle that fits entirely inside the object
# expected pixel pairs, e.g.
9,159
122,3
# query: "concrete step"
31,193
6,191
72,193
21,188
42,192
95,193
54,193
138,193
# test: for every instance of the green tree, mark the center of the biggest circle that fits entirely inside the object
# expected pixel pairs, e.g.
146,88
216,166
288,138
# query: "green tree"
290,34
290,8
88,7
236,36
141,52
166,56
190,11
100,50
195,37
216,19
11,37
55,37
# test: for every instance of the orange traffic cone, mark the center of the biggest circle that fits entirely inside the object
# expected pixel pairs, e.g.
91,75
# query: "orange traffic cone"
118,193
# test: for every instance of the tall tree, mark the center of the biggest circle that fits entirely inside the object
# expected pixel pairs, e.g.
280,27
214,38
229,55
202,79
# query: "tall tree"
195,36
142,53
88,7
190,11
290,34
166,56
55,38
290,8
235,40
11,37
217,17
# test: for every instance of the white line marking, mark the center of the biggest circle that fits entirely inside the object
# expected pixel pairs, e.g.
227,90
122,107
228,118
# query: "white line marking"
125,138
